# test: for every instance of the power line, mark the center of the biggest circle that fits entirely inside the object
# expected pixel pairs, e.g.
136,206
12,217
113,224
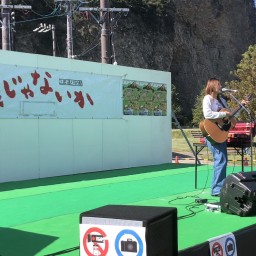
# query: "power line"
90,47
46,15
106,28
37,19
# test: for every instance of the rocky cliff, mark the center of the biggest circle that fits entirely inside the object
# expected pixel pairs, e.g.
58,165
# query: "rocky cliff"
194,40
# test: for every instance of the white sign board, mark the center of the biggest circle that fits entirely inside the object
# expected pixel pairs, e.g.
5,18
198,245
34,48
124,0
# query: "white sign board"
27,92
107,240
224,245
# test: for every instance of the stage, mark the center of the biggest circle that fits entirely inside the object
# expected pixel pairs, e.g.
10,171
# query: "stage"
41,217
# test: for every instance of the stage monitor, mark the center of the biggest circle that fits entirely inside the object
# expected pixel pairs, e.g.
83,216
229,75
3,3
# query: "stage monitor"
238,194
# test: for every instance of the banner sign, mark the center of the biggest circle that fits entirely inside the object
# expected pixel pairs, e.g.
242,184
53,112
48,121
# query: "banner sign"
144,98
27,92
107,240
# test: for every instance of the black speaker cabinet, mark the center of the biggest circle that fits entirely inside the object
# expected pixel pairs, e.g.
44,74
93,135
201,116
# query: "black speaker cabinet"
160,228
238,194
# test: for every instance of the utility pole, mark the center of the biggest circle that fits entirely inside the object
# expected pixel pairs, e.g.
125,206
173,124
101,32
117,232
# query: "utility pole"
69,5
104,21
6,24
105,33
69,29
105,27
53,40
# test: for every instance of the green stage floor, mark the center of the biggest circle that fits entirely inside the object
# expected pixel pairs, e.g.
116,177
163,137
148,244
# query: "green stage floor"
41,217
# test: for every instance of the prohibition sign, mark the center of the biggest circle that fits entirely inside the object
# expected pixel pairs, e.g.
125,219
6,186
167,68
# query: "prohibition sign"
217,249
130,232
102,252
232,243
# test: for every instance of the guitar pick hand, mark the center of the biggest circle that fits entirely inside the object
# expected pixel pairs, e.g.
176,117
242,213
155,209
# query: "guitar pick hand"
227,113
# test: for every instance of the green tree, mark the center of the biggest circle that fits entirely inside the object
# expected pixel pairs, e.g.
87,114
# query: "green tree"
245,82
176,106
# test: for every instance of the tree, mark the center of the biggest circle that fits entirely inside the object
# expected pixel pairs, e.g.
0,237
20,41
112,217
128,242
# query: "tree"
176,106
245,82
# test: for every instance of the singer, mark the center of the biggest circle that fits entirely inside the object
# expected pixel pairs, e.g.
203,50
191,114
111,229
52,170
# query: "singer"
213,102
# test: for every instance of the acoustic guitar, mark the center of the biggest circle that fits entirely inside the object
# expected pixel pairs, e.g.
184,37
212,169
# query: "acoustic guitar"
218,129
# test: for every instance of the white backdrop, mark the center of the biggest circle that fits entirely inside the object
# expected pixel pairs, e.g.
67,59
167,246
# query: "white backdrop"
53,145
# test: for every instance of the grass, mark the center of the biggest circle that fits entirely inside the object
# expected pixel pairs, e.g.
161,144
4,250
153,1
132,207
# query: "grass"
179,143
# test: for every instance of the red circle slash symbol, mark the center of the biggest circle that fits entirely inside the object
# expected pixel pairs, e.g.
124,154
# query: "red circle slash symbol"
217,249
103,252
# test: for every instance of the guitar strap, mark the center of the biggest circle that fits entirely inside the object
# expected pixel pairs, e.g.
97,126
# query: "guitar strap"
221,102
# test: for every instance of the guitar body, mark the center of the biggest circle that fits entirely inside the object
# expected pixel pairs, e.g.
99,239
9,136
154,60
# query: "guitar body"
217,129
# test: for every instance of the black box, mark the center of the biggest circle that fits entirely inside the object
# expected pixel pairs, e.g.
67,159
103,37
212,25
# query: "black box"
160,224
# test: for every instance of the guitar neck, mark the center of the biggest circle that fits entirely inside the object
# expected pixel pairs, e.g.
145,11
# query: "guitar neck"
248,98
233,112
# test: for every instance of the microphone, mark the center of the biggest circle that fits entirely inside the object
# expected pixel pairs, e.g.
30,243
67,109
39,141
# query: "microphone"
227,90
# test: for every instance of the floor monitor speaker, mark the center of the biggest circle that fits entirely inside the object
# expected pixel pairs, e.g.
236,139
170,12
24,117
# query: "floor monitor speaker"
238,194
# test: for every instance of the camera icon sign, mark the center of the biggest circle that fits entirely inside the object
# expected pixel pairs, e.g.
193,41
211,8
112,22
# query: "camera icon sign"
128,245
230,247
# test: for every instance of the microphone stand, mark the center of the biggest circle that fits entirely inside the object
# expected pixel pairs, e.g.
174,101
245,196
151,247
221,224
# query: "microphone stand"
251,120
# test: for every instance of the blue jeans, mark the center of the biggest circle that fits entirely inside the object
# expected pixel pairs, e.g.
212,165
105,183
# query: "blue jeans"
220,159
